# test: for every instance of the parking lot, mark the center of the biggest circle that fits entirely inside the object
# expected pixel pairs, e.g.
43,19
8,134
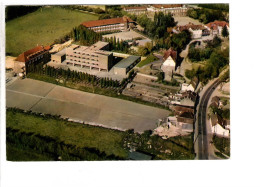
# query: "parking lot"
96,109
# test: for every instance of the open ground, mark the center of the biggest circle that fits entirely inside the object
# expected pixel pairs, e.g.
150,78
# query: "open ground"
41,28
94,109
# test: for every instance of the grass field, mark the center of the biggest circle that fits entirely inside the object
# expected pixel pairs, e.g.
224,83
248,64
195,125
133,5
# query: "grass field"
112,142
41,27
80,135
149,59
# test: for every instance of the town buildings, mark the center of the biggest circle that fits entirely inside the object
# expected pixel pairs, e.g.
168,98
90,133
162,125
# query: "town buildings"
110,25
92,57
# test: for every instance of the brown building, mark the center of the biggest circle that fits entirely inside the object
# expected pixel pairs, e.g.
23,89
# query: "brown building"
36,55
92,57
114,24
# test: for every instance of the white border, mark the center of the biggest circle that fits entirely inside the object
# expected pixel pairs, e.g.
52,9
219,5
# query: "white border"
238,171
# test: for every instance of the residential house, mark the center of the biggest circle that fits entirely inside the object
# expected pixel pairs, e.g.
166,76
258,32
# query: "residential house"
187,98
190,87
219,126
197,31
169,64
216,27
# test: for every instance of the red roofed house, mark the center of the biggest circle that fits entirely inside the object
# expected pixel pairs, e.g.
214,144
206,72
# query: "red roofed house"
36,55
114,24
169,64
217,26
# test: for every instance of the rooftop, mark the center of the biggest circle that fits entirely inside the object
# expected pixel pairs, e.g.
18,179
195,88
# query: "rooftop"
170,52
139,156
25,56
126,62
112,21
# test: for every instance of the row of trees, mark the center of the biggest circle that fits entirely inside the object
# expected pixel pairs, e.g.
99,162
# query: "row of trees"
73,76
85,8
206,15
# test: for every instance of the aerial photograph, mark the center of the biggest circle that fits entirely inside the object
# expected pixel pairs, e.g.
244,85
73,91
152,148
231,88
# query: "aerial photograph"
117,82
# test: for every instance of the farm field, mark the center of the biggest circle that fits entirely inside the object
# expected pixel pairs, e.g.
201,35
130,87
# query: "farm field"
41,28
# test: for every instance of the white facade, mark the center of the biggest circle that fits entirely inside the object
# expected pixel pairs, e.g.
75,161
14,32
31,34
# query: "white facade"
219,130
186,87
196,33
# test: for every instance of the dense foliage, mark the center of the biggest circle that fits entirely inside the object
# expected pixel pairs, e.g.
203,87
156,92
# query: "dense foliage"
224,32
201,54
217,60
12,12
222,7
158,27
85,36
177,41
206,15
116,45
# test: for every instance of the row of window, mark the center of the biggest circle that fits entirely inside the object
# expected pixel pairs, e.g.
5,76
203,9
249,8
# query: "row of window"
36,58
73,61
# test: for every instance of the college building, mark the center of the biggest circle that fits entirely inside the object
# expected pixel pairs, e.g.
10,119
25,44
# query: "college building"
174,9
92,57
137,10
106,25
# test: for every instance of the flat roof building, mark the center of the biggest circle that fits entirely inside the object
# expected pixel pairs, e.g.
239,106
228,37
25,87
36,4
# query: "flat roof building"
125,65
92,57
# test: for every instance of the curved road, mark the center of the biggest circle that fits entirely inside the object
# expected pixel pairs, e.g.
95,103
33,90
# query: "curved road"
202,136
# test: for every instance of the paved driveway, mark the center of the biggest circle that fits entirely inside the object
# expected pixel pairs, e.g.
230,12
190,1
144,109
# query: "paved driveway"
91,108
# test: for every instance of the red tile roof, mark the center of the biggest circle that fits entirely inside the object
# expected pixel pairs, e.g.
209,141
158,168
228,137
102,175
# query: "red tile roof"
167,6
25,56
135,8
112,21
214,25
170,52
190,26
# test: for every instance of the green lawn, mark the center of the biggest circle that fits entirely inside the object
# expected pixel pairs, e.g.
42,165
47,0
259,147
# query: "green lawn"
149,59
23,144
41,27
80,135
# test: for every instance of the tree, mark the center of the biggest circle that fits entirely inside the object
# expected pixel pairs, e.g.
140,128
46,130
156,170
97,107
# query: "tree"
160,76
225,31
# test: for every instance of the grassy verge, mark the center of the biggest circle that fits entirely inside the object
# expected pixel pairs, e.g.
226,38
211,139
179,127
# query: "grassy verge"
222,144
33,136
148,60
93,89
220,155
41,27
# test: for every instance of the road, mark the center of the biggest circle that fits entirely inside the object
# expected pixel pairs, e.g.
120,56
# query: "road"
201,134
